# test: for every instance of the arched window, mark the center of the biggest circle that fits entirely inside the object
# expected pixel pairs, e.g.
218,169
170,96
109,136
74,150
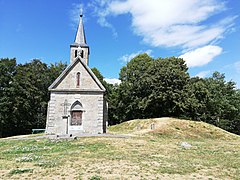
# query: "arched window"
76,114
76,53
78,79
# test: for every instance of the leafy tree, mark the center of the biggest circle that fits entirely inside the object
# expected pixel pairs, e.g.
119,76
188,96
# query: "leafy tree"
235,122
7,72
166,80
54,70
31,96
196,99
222,107
132,89
215,101
98,74
24,101
152,88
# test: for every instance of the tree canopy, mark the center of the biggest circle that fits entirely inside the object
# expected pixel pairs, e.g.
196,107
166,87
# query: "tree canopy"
24,95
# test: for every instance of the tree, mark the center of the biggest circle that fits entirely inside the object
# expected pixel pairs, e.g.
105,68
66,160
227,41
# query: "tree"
215,101
196,99
30,94
223,104
132,90
166,80
235,122
24,98
7,72
152,88
98,74
54,70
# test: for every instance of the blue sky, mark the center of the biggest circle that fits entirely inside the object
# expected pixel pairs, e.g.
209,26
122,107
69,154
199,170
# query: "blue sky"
206,33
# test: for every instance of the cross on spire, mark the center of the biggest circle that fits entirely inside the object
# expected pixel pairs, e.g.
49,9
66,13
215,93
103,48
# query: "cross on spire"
80,44
80,36
81,12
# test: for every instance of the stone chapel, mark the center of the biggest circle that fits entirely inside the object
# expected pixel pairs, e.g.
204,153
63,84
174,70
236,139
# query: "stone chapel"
77,103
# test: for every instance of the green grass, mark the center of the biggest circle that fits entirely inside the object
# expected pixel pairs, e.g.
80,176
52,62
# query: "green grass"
20,171
153,154
96,177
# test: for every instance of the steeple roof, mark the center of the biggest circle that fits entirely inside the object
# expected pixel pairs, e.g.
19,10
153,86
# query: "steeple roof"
80,35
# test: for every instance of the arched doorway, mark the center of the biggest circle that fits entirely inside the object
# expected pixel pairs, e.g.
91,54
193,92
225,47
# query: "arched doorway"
76,114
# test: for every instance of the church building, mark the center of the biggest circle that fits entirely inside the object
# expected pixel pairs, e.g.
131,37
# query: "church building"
77,103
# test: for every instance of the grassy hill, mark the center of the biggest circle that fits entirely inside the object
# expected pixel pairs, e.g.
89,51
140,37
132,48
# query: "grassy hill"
152,149
172,127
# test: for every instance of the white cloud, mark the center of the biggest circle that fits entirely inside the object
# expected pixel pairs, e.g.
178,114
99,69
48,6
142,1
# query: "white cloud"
112,80
170,23
201,56
74,14
202,74
127,57
99,8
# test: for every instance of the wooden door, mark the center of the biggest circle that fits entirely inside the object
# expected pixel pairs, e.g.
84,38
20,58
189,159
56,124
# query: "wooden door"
76,118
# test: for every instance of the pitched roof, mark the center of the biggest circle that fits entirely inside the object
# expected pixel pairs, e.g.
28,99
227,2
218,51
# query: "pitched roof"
69,68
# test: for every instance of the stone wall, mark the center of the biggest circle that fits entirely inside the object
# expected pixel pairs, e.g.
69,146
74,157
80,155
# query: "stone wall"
70,81
92,118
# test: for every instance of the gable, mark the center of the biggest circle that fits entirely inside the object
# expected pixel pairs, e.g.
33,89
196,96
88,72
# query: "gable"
68,80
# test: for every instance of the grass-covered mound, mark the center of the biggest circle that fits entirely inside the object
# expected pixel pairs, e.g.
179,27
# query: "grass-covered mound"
177,128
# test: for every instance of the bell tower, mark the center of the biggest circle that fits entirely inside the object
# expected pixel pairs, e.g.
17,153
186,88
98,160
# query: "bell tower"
79,49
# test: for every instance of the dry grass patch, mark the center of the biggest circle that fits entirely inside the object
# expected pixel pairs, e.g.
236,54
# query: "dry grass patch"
172,127
148,154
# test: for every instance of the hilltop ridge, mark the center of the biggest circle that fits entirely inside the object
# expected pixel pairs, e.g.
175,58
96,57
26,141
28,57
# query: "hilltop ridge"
178,128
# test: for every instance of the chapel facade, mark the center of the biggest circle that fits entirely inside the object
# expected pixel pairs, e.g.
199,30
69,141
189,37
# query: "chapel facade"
77,102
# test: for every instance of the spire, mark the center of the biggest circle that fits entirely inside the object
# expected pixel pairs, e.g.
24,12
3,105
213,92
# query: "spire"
80,49
80,36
